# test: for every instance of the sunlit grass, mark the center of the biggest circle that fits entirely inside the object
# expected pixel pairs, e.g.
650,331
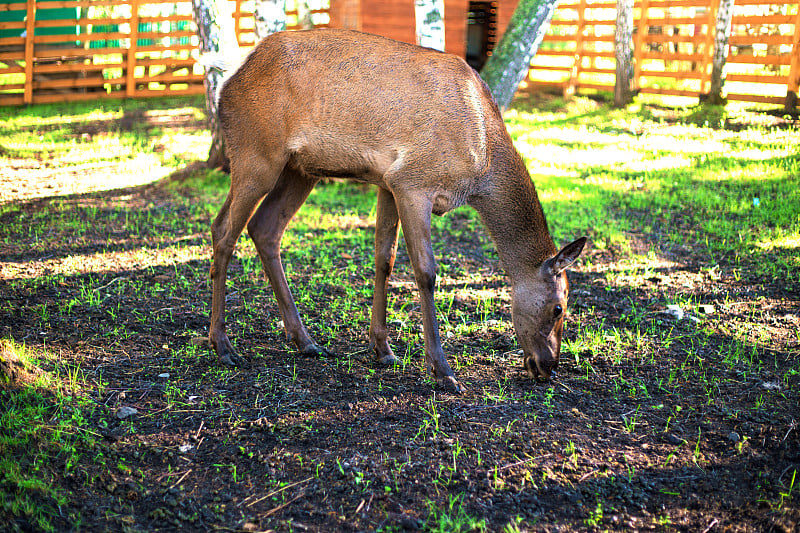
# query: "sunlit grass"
731,186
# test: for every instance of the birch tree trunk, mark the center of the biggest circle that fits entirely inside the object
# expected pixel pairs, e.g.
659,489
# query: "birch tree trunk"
217,37
270,16
304,18
509,63
623,52
722,35
429,15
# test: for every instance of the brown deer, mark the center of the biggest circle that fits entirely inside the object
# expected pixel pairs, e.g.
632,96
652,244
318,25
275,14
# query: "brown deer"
424,128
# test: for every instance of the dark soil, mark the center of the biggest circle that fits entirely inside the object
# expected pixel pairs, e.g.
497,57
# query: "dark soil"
666,435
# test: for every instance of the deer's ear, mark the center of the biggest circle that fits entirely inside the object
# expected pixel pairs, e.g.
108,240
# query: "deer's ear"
566,256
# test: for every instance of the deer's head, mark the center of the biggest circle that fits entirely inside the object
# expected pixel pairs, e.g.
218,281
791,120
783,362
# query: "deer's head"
538,308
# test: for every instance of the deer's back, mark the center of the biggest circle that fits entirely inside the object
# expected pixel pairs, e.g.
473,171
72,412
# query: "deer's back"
341,101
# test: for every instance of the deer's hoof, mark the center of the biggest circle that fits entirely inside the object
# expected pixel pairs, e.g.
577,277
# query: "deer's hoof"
312,350
233,360
388,360
451,384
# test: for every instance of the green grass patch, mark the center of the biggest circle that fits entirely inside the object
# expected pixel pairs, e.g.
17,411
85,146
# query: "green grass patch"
42,439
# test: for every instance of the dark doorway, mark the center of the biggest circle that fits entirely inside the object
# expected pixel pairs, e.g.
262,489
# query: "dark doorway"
481,32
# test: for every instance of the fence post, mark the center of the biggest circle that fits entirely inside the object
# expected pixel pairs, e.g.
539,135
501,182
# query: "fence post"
237,20
794,72
572,82
130,63
30,29
638,43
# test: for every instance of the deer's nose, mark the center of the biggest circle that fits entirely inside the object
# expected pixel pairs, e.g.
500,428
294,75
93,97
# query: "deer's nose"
546,368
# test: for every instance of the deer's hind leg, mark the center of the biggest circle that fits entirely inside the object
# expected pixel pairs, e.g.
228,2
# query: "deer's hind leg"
266,228
248,186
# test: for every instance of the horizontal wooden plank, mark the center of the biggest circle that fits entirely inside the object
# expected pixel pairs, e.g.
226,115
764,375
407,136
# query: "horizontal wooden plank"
169,77
551,68
16,6
737,40
12,56
783,59
172,47
11,99
760,98
687,75
555,53
83,22
141,36
591,5
594,53
166,62
666,4
69,83
763,2
676,21
166,18
73,67
75,97
196,89
13,25
81,3
41,53
13,42
754,78
656,38
696,58
109,21
669,92
57,4
595,70
758,20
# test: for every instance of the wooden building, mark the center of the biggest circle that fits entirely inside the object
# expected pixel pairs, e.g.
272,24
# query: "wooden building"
472,29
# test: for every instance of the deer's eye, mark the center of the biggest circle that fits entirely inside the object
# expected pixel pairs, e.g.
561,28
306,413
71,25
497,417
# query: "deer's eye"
557,311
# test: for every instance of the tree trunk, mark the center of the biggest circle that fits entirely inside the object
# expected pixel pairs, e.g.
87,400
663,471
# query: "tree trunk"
430,23
722,34
217,36
304,15
623,52
270,16
509,63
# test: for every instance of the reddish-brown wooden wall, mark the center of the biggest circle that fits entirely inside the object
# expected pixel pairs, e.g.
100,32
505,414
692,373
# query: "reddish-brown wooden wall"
395,19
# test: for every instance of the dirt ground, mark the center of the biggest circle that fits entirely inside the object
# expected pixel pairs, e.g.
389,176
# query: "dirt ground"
666,435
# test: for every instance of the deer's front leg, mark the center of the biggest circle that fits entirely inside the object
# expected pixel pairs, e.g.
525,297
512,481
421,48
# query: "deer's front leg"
386,230
415,215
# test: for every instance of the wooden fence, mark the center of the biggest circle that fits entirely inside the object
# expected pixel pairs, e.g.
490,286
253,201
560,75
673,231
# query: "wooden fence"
53,51
673,49
83,49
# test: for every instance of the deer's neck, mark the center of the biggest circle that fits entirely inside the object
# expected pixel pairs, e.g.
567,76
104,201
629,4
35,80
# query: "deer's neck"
510,209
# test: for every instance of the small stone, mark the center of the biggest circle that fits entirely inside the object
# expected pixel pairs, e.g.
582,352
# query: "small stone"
734,437
674,440
126,412
675,311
